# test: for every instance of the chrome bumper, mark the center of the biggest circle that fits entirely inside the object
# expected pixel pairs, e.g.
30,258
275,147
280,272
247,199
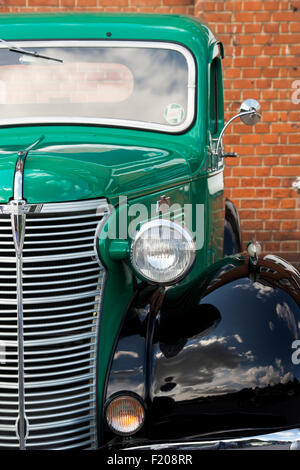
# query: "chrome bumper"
285,440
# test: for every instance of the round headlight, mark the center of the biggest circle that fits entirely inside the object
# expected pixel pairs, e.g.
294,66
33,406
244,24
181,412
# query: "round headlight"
125,415
163,252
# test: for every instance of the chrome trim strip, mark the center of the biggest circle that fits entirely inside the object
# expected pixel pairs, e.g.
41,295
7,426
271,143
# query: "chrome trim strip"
55,392
68,322
60,274
63,432
51,283
89,205
55,366
250,443
53,234
18,178
85,254
63,330
56,400
66,422
115,122
88,263
19,170
70,439
18,230
70,307
66,240
50,359
58,298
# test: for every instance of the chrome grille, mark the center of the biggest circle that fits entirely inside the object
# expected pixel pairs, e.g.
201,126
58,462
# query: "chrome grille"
52,400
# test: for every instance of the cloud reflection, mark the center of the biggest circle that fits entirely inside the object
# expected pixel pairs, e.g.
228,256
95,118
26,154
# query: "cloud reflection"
214,366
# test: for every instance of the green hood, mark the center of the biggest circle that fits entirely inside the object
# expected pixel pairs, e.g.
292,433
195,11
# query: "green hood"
82,169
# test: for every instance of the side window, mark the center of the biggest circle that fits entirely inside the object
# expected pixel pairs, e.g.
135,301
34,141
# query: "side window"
216,97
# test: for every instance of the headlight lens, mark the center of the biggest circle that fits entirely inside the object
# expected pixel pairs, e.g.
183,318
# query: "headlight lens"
125,415
163,252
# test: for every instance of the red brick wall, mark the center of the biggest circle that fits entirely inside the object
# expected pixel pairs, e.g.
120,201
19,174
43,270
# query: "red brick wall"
262,47
185,7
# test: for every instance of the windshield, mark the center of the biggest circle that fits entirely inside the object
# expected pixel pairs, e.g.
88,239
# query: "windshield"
131,84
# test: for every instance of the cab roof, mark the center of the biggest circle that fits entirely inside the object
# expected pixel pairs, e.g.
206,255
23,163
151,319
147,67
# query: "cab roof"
186,30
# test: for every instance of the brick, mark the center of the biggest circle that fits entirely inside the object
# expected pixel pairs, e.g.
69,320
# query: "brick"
252,5
251,204
242,193
252,28
289,225
272,246
284,214
272,225
265,172
285,171
232,182
241,171
43,3
271,27
270,5
294,139
251,182
253,51
263,16
146,3
246,214
252,161
289,246
87,3
261,214
263,192
272,203
251,139
294,27
262,61
244,17
112,3
288,204
243,62
282,192
252,225
272,182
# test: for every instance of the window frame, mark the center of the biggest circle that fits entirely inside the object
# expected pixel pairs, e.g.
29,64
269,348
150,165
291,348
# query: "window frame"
111,122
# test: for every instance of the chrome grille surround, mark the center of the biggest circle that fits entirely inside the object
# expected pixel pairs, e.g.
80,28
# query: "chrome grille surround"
51,286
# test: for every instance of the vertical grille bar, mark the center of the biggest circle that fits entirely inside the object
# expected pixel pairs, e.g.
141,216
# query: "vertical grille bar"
57,281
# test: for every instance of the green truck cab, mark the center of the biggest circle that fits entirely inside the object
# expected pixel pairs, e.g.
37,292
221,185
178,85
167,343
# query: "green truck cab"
129,315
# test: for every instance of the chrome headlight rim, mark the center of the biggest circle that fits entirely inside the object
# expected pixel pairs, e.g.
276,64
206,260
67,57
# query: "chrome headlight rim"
184,232
123,395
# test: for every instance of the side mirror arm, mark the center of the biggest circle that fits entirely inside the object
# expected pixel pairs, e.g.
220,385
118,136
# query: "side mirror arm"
249,114
244,113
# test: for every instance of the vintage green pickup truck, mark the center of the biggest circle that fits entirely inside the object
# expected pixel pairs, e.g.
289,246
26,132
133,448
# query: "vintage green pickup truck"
129,314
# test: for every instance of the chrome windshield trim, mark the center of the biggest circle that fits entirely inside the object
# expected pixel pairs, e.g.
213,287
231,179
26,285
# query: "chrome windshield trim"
191,104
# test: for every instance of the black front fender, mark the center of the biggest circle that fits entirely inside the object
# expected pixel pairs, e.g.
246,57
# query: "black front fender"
221,359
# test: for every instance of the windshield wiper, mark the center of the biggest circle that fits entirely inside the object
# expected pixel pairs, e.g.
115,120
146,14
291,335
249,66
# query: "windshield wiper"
19,50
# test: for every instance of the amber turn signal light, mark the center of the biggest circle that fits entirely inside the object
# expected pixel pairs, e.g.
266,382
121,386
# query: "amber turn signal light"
125,415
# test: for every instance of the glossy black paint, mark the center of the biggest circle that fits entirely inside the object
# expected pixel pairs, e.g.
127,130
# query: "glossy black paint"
219,359
232,230
129,370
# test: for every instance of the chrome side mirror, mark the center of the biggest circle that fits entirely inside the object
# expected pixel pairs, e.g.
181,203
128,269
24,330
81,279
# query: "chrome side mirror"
250,112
